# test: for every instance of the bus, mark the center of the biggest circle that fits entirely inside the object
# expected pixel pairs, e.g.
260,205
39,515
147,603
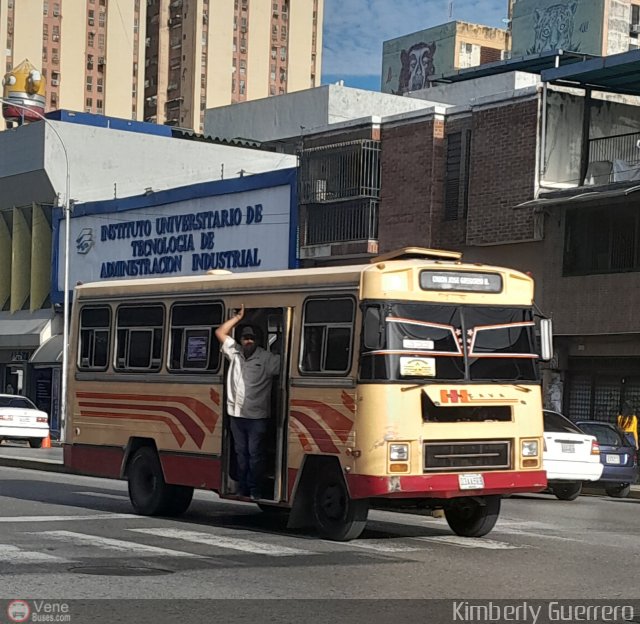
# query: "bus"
411,380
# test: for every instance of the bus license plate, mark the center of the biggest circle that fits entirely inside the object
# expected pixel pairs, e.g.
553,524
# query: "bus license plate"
471,481
612,459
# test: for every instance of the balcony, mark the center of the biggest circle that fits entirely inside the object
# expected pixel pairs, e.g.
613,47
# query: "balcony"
339,223
613,158
338,193
339,171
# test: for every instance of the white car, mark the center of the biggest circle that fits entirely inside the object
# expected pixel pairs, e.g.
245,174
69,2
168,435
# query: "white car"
20,419
570,456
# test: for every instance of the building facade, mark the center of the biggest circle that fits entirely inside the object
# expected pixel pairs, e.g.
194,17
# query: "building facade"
410,62
591,27
164,61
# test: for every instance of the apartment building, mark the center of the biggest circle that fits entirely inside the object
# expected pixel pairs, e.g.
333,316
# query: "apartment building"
164,61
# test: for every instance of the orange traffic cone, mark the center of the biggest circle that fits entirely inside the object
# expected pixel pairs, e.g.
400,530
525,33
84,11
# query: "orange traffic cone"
46,443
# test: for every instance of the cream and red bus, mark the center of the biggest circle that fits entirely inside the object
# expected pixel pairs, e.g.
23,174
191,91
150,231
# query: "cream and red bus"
413,379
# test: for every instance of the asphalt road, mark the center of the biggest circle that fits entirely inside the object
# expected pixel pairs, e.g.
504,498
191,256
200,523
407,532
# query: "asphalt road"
76,537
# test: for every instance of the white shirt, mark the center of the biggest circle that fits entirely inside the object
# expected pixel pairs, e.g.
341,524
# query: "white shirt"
249,380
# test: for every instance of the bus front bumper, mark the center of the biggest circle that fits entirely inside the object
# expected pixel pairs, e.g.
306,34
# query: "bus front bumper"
445,485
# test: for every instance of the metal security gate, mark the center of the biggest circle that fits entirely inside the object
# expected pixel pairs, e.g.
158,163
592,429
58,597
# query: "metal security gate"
596,388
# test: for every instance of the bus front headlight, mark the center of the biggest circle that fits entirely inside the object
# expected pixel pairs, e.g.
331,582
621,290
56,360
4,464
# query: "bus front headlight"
530,448
398,452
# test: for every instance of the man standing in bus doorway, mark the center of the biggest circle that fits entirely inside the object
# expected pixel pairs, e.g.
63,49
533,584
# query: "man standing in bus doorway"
251,371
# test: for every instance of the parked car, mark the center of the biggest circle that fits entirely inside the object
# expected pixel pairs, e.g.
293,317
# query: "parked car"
618,456
20,419
570,456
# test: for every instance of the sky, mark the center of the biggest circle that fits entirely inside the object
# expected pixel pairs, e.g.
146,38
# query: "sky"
355,29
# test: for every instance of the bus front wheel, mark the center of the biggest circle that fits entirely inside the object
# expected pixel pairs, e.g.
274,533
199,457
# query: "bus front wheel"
337,516
473,517
150,495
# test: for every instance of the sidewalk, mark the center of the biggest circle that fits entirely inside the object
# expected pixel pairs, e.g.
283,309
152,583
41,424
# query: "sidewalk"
21,455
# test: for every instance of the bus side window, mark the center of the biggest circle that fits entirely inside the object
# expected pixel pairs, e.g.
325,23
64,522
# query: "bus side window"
327,335
194,347
139,335
95,333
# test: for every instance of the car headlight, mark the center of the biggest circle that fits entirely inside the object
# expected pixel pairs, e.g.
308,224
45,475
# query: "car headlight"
529,448
399,452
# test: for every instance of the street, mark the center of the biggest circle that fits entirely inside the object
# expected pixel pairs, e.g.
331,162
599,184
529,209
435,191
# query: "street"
76,537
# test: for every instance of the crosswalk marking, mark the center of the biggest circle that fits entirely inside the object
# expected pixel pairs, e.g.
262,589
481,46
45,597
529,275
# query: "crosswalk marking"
13,554
111,516
115,544
384,546
468,542
221,541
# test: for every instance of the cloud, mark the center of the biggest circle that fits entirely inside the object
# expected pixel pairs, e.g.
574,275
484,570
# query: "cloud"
355,29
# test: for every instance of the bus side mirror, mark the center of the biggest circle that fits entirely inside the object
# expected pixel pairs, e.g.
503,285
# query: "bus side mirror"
546,339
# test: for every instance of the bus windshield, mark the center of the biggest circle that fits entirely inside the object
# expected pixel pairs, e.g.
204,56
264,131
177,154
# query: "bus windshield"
434,342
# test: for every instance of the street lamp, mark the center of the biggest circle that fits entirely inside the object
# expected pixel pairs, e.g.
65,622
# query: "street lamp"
66,207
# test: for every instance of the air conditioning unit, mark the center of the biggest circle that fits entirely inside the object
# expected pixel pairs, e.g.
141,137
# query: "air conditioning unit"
101,60
634,28
505,55
55,82
55,37
91,21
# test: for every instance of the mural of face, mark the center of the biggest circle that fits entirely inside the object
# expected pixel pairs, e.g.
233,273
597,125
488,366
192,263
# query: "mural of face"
554,28
417,66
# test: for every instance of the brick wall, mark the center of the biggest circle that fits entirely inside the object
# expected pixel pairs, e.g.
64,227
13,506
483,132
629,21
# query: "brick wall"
412,173
503,153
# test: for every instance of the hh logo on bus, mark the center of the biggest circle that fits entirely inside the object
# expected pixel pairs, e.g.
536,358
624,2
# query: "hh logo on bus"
464,396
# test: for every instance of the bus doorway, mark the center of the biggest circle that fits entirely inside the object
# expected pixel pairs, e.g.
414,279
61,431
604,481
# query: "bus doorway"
272,329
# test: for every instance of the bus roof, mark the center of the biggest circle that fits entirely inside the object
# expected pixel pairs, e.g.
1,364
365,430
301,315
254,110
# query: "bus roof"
291,279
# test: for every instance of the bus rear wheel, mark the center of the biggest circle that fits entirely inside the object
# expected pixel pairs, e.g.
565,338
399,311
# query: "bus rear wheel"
473,517
336,515
150,495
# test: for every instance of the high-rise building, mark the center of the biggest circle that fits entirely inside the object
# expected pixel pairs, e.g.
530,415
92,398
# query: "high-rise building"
164,61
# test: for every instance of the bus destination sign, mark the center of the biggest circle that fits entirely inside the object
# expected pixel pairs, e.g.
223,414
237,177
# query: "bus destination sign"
461,281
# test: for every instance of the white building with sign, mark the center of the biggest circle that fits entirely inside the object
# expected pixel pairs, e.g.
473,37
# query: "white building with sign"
244,224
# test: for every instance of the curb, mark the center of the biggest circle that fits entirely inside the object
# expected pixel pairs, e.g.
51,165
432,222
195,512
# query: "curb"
592,491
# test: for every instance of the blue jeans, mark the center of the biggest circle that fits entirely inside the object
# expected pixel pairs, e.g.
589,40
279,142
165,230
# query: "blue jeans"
248,440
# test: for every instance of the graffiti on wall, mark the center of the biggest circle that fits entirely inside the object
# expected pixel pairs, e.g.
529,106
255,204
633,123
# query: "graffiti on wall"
417,66
409,63
554,28
570,25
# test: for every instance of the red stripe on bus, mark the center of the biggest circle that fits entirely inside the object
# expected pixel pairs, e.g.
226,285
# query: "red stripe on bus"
349,402
339,423
207,416
177,434
319,435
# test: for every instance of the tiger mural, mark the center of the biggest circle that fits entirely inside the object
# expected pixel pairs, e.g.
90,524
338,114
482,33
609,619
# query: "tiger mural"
554,28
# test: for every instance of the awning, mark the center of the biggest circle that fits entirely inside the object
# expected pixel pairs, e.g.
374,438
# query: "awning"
618,73
580,198
533,64
23,329
49,352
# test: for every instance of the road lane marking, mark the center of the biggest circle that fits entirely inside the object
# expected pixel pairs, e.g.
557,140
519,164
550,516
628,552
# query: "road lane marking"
13,554
115,516
468,542
219,541
103,495
80,539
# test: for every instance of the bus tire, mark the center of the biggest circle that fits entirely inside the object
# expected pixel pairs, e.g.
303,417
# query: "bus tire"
567,491
336,515
149,493
473,517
